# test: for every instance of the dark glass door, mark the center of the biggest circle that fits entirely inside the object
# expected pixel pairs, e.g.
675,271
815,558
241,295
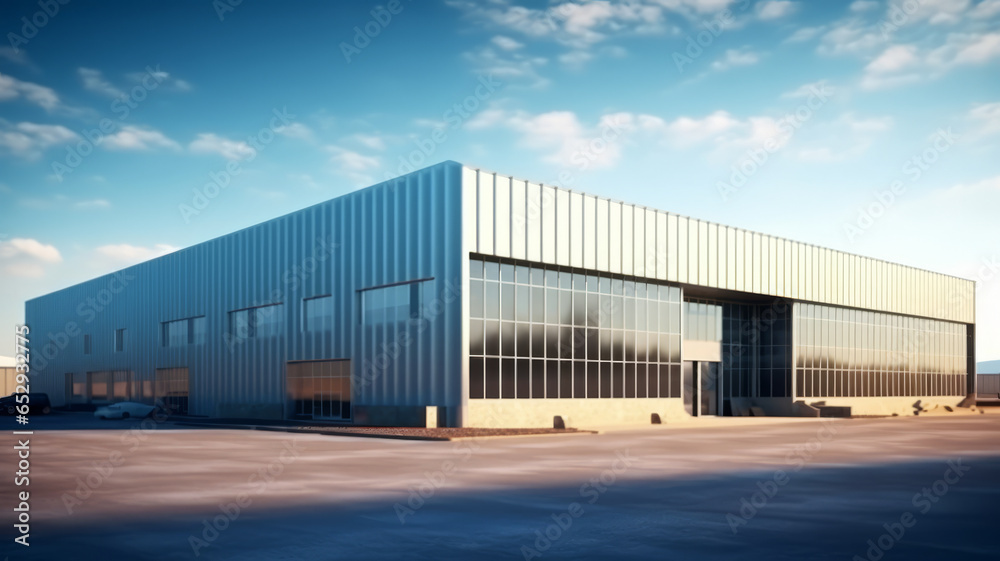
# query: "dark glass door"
709,382
690,389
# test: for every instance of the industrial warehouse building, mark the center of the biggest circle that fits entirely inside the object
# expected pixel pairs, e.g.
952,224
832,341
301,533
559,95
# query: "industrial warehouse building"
460,297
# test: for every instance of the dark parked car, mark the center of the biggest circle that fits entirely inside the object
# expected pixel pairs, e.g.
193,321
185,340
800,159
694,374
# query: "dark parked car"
37,403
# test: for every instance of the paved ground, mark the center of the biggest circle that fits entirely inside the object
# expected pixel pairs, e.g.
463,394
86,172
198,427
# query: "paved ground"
805,489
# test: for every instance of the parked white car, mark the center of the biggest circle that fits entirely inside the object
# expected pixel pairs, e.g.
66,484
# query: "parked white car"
124,410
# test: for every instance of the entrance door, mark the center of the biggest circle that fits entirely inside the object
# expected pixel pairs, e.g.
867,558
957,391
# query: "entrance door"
708,375
319,389
701,385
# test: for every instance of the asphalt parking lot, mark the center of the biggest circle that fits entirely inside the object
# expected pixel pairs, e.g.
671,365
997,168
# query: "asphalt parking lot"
918,488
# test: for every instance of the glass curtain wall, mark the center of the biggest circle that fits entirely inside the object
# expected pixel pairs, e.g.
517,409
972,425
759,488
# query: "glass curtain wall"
548,332
855,353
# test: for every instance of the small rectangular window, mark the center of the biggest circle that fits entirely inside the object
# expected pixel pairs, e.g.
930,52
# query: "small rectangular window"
119,340
86,344
317,314
393,304
258,322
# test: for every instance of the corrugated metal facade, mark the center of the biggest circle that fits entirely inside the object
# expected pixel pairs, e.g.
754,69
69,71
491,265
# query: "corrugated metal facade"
509,217
405,229
422,226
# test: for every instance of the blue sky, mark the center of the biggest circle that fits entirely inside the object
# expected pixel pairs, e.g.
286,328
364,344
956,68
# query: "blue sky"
823,105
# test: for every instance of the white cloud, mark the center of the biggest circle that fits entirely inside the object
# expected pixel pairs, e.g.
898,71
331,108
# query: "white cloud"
980,50
562,138
575,58
893,59
375,142
734,57
164,78
29,248
934,11
806,91
127,254
94,81
12,88
851,37
775,9
506,43
135,138
805,34
985,9
210,143
866,125
296,130
508,66
863,5
355,165
26,257
984,119
29,140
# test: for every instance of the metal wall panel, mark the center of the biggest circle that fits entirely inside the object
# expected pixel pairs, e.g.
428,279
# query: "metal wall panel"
487,213
563,233
673,251
501,222
549,224
683,248
636,241
627,236
589,233
518,220
615,237
405,229
576,230
533,214
713,255
603,235
639,243
653,244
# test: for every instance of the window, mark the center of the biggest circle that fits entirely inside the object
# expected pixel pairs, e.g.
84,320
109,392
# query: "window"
317,313
86,344
320,389
188,331
258,322
537,331
119,340
392,304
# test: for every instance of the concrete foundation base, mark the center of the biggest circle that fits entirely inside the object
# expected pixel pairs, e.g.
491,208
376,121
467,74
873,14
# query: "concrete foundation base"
248,411
901,406
400,415
576,413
